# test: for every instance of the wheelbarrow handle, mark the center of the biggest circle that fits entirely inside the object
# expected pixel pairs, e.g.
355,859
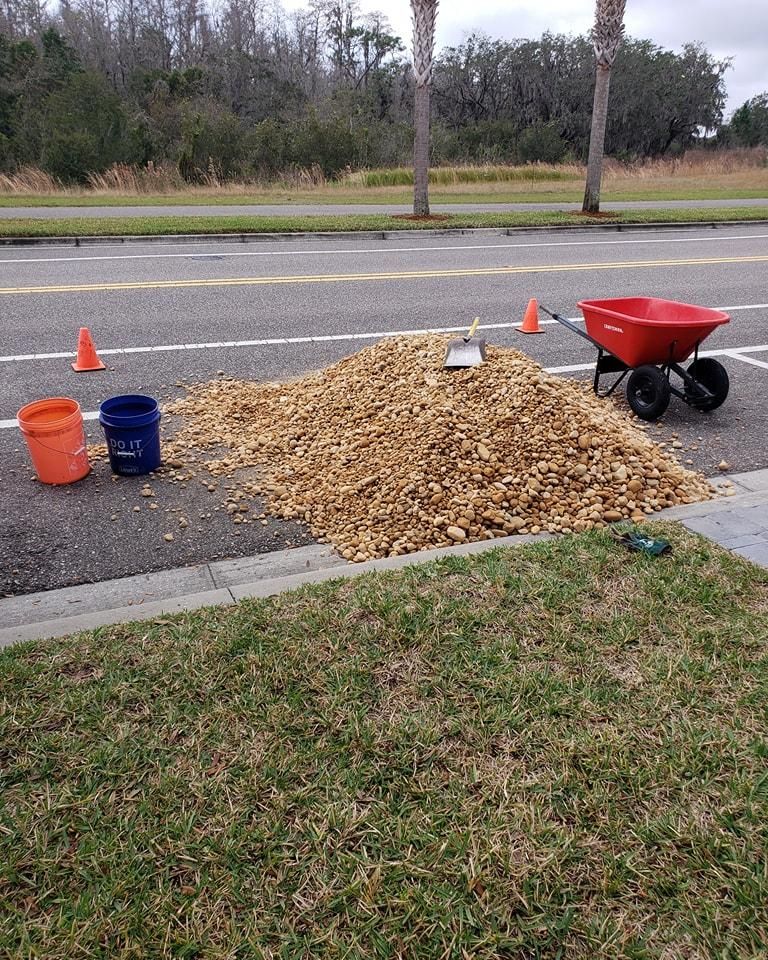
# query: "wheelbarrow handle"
571,326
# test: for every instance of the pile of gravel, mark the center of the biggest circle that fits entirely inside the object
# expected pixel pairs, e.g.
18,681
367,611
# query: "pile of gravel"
386,453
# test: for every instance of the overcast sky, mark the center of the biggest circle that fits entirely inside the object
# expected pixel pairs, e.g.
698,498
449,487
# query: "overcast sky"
728,28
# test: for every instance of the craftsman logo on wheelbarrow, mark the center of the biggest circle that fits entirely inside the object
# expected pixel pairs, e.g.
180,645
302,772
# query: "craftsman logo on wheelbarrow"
657,336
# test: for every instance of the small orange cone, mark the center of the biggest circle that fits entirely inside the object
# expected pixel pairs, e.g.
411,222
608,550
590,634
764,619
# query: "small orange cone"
531,319
87,358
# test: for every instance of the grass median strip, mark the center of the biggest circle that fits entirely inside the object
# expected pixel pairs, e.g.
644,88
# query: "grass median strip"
553,751
169,226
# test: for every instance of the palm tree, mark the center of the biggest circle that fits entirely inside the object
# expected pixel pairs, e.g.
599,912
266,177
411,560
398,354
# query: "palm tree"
424,14
606,37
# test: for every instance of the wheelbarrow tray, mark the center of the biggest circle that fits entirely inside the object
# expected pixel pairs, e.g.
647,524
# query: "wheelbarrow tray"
640,330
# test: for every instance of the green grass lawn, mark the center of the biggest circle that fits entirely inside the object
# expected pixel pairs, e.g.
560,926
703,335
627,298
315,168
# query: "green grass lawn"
551,752
154,226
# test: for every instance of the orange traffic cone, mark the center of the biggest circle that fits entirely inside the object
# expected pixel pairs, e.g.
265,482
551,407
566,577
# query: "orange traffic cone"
87,358
531,319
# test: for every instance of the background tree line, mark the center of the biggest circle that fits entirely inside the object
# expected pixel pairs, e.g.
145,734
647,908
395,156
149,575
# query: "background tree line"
239,88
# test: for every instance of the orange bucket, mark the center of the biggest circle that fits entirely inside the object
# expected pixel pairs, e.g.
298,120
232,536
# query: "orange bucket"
55,436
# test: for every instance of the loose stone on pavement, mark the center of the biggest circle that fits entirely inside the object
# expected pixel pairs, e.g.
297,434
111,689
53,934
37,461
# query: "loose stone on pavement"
386,453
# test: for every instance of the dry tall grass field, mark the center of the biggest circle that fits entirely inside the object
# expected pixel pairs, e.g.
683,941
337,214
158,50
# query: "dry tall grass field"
699,174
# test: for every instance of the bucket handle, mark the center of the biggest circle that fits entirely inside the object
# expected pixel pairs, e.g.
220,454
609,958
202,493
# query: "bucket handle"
66,453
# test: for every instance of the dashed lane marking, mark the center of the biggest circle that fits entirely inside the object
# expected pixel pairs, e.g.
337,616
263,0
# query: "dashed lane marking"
282,341
733,353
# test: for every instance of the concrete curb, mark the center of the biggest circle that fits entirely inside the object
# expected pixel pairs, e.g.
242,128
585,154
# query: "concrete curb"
89,621
192,238
146,596
267,588
223,583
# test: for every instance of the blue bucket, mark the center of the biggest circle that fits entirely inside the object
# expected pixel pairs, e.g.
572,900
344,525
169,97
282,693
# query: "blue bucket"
132,427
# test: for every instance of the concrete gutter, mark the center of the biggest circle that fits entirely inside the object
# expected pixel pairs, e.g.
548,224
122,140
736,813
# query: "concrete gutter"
183,238
58,613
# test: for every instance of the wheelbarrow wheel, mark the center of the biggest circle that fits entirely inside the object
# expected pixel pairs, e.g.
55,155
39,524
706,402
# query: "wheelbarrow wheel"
714,377
648,392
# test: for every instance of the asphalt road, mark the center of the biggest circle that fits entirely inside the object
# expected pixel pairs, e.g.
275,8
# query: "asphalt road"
333,209
162,315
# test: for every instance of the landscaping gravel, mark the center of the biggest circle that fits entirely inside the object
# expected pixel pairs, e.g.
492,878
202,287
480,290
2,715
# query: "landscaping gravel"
386,452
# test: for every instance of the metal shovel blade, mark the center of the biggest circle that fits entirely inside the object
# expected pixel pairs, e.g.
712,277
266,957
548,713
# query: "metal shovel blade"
465,352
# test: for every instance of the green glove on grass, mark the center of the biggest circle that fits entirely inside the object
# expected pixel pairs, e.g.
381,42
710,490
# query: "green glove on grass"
639,543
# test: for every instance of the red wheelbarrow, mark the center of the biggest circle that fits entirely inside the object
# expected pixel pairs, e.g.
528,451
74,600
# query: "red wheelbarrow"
649,339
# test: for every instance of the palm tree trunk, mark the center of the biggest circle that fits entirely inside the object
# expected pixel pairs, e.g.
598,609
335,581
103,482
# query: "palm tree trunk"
597,140
421,150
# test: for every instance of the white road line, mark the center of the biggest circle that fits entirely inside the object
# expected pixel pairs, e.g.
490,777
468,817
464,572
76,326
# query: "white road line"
379,250
282,341
7,424
746,306
733,353
271,342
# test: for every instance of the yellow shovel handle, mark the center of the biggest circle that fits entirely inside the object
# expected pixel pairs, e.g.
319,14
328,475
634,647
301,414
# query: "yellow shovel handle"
473,328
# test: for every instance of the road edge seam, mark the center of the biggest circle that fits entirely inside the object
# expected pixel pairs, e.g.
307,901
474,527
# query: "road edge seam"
241,237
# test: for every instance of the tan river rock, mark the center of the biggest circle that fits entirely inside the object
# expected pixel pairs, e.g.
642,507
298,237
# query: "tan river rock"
386,453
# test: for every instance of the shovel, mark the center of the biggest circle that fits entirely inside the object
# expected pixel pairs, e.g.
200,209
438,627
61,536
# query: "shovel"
466,351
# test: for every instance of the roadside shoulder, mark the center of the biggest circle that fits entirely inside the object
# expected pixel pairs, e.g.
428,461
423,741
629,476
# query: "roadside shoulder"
58,613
